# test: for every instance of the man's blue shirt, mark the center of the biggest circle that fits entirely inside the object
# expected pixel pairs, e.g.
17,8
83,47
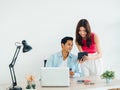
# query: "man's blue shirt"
56,59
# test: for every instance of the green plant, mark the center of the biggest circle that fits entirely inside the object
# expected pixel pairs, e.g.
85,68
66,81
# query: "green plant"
30,82
108,74
33,86
28,86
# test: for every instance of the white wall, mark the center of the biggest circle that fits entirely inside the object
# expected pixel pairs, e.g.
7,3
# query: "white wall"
44,22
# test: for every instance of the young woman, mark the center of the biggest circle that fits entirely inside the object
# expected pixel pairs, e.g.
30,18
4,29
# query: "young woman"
88,41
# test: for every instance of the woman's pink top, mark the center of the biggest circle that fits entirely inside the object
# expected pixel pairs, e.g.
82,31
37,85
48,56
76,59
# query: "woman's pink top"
92,48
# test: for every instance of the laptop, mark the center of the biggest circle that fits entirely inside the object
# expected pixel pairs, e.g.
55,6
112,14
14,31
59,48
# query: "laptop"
54,76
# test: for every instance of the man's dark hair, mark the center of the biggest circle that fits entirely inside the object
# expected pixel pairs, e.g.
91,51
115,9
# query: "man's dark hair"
64,40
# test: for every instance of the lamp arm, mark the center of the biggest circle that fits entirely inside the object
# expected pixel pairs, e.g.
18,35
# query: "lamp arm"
15,56
11,66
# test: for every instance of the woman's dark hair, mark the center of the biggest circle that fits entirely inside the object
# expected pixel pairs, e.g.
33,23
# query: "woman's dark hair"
64,40
83,23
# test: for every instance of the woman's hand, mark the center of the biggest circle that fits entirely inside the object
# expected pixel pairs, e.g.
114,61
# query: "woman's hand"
81,60
84,58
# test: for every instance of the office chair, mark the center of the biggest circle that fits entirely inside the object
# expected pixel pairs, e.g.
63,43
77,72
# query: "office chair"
45,61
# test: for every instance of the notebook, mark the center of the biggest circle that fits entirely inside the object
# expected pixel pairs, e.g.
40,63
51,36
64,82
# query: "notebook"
54,76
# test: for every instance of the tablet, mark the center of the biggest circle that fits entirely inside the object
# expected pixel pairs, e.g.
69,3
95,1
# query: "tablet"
81,54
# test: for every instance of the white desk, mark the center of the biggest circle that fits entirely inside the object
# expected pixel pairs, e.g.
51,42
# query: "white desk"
100,84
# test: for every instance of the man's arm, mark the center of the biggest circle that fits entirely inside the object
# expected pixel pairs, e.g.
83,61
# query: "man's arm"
50,61
78,71
76,68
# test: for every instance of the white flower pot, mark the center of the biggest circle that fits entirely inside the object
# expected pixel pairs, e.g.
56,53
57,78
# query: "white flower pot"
108,80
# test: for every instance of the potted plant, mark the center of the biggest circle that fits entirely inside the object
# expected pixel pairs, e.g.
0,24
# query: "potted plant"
33,86
28,87
30,83
108,75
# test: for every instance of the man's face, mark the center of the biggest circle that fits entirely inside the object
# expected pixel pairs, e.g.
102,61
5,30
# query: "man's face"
67,46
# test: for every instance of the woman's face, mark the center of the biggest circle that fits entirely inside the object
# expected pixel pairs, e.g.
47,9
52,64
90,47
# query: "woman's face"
82,32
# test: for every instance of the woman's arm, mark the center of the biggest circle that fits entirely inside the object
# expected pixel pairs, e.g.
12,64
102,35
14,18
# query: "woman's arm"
79,47
99,53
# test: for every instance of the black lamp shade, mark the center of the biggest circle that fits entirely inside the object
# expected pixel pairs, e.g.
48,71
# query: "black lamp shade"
26,47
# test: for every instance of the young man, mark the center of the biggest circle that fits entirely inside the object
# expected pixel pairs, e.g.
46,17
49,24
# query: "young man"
65,59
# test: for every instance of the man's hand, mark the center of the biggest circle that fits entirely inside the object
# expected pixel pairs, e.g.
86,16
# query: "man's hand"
71,73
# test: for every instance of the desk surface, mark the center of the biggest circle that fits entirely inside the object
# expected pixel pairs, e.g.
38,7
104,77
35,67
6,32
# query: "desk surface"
100,84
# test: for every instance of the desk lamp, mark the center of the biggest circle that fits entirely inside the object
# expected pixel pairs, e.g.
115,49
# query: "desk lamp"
25,49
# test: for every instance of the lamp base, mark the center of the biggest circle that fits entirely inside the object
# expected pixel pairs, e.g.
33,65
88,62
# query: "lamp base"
15,88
